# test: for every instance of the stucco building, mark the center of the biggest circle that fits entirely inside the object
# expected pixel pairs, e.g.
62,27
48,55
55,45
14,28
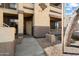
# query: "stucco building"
31,19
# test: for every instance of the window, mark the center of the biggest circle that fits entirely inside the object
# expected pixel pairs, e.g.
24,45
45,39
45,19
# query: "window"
0,4
55,25
13,5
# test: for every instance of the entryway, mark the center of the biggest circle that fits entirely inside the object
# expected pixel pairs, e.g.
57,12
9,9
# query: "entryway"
28,24
11,20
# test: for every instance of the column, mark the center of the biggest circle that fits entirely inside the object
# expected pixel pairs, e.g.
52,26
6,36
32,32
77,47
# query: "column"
41,20
20,21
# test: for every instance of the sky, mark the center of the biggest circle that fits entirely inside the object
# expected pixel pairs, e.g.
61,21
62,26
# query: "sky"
70,7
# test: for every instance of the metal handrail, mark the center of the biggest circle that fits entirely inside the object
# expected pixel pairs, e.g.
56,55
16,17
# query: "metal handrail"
5,25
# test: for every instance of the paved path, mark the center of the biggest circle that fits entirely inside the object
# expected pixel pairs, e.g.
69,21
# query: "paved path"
29,47
73,49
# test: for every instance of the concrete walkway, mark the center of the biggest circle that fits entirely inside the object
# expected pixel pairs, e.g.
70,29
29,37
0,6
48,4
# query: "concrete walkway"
73,49
29,47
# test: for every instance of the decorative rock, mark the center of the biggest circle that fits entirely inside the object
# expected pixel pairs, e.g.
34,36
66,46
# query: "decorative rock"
54,50
20,38
51,38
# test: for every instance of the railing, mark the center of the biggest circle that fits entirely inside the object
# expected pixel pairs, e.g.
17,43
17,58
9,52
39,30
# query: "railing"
55,15
28,8
56,5
5,25
54,9
28,5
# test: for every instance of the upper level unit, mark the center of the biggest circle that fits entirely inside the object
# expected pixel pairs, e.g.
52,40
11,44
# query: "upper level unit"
14,8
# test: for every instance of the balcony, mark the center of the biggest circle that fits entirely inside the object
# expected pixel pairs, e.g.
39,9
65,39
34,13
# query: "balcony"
28,6
7,41
53,9
55,15
57,8
56,5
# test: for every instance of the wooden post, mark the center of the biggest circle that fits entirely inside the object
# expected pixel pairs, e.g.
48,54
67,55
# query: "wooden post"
1,17
62,34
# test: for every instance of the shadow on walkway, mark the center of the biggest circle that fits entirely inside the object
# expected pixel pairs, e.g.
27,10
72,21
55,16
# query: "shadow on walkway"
71,53
74,46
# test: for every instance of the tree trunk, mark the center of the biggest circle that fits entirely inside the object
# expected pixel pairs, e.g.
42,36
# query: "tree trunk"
69,30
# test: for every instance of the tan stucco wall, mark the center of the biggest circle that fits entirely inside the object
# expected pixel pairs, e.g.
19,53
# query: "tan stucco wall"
7,34
20,19
41,17
7,41
41,20
1,17
20,23
10,11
